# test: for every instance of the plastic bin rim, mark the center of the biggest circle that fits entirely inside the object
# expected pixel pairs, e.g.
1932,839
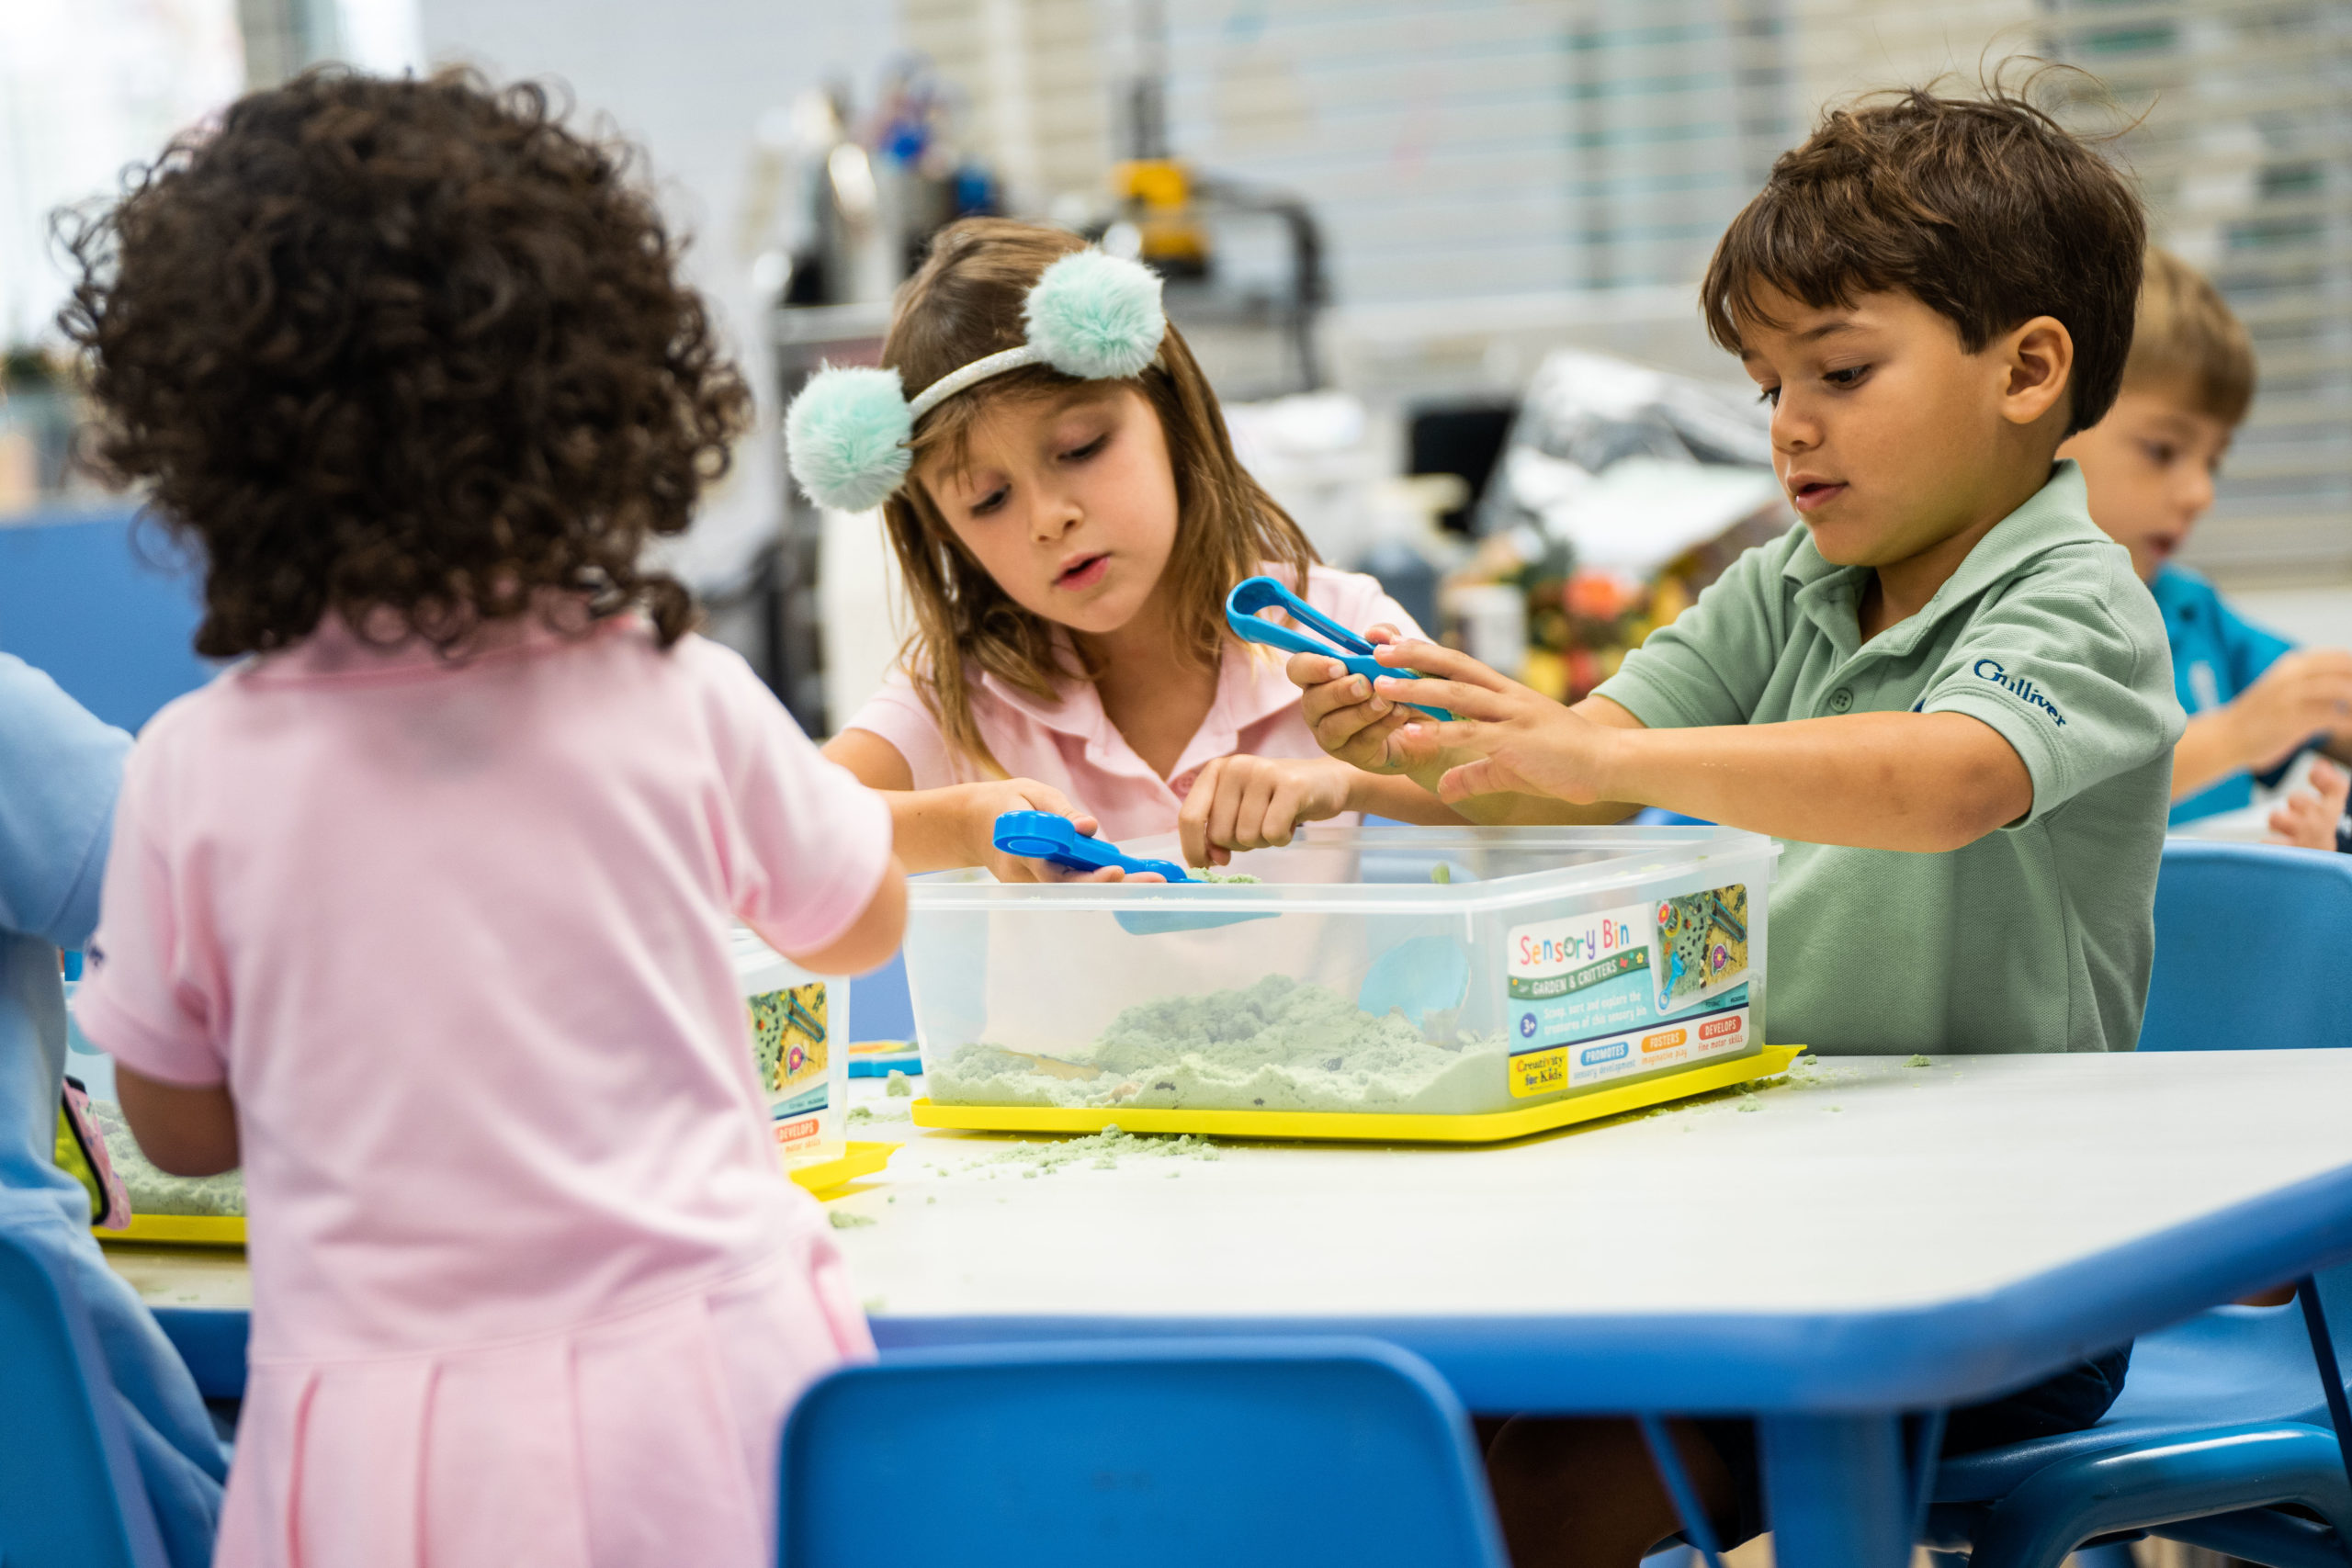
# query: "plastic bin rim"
971,888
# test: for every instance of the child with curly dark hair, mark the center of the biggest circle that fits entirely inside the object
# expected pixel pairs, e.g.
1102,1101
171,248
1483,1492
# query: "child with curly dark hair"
421,911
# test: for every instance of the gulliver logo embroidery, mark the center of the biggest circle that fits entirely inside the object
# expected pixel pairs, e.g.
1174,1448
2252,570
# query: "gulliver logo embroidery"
1990,669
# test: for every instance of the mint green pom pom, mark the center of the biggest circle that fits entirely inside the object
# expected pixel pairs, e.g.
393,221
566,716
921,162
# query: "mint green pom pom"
1096,316
845,437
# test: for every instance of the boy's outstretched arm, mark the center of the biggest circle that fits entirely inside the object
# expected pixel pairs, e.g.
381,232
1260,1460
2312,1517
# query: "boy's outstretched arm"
1928,783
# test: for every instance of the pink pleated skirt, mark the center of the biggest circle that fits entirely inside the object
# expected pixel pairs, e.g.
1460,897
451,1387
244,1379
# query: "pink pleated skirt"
645,1440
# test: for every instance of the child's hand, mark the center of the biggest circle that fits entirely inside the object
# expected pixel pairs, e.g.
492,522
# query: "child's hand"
1505,738
1248,803
2306,692
2307,818
1346,716
984,802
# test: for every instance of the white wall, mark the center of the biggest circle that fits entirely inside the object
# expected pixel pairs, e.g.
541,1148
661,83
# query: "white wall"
87,87
689,79
2315,616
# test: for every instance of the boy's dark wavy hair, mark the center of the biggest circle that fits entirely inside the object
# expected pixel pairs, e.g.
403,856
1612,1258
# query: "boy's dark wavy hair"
401,346
1985,210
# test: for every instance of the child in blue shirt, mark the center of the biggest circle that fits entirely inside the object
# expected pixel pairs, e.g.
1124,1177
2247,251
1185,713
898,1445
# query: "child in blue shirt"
2255,701
56,817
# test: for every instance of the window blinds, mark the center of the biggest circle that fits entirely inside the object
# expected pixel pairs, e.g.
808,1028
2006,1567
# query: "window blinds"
1461,152
2244,151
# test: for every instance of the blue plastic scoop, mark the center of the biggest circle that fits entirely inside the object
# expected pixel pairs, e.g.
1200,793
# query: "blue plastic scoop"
1253,594
1041,835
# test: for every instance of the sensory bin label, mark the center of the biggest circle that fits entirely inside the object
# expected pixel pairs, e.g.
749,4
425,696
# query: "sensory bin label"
1616,992
788,1037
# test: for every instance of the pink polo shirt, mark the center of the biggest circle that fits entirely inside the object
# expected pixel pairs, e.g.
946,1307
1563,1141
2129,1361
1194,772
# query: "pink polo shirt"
1072,744
530,1284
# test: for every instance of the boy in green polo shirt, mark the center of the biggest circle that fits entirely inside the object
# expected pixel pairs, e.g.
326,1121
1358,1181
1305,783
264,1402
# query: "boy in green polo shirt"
1946,691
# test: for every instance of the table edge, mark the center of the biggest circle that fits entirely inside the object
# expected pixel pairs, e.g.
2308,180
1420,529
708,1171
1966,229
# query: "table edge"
1907,1358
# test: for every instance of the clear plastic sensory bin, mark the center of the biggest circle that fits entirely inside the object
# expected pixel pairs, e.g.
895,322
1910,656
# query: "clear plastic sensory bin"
1366,974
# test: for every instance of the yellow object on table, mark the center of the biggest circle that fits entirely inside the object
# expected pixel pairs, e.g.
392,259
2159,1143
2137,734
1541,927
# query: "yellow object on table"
181,1230
1489,1127
822,1178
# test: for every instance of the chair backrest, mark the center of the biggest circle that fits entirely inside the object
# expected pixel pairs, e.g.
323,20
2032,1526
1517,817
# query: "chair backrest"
70,1493
1148,1454
2250,939
211,1342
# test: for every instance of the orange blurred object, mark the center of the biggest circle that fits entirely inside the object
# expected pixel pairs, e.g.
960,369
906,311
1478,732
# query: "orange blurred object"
1600,595
1584,672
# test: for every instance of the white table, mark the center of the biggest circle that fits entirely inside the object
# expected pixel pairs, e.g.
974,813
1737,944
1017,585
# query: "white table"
1877,1240
1881,1240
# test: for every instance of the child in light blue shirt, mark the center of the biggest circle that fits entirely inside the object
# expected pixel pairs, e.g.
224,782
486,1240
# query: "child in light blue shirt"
2255,701
2219,657
57,794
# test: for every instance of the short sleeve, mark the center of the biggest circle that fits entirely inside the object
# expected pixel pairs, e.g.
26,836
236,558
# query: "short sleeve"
1357,601
811,843
898,715
1384,611
152,994
57,801
2076,678
1710,665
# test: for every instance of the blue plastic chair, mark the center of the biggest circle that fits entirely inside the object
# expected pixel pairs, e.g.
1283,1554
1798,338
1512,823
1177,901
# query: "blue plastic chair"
2204,996
2222,1414
1169,1453
212,1341
2228,1416
70,1491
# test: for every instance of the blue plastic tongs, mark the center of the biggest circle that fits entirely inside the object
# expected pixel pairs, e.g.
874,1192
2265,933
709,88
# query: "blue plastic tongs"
1041,835
1253,594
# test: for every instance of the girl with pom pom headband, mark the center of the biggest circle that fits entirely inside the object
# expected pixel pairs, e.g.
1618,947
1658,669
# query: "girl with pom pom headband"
1067,516
1092,316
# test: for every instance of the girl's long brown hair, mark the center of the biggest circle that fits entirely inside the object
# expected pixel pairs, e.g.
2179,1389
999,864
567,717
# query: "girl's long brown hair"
963,303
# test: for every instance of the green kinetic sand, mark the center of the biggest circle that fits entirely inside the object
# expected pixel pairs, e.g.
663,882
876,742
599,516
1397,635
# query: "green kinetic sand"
1280,1044
1103,1151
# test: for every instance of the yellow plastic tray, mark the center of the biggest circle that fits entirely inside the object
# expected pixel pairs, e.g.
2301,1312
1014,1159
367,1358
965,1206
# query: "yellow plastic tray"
214,1230
1381,1127
181,1230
